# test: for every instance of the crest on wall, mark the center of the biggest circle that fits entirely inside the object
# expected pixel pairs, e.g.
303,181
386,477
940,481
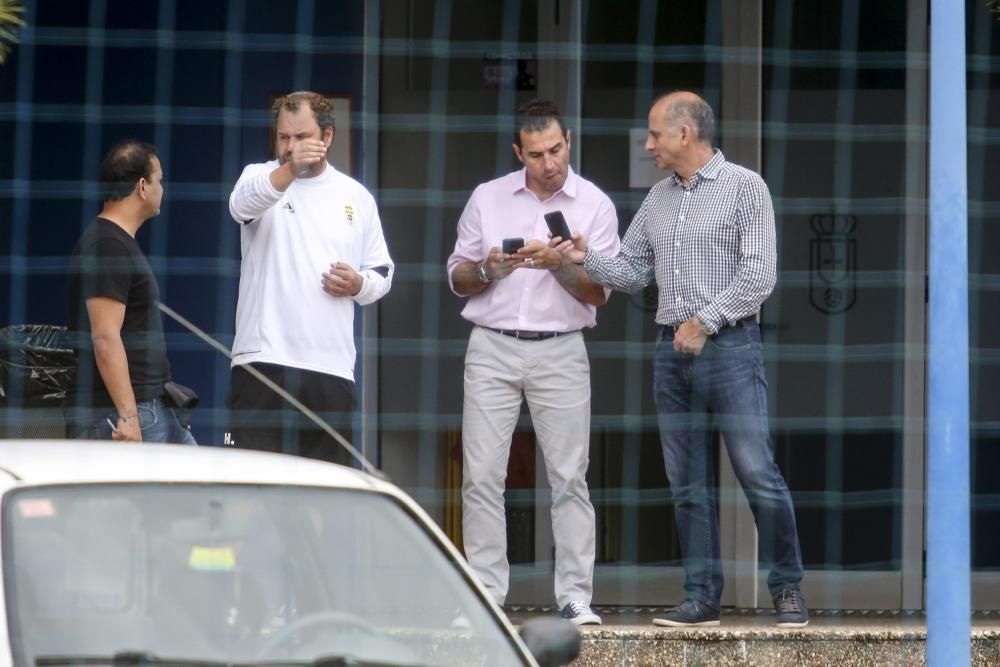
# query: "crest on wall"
833,259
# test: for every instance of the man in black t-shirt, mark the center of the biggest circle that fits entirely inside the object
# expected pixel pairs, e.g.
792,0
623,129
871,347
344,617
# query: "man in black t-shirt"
113,317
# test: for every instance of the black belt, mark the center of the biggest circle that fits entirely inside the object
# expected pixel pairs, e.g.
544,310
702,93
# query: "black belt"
530,335
746,323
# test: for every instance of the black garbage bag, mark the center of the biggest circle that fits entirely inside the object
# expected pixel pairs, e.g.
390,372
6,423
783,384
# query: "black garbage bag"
37,364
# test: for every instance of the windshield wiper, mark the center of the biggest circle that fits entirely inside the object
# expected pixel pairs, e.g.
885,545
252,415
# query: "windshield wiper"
142,658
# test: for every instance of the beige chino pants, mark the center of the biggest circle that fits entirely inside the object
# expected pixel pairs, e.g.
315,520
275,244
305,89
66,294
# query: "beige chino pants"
553,375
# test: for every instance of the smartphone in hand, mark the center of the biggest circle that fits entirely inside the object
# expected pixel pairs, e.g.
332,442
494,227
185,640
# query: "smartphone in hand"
511,246
557,225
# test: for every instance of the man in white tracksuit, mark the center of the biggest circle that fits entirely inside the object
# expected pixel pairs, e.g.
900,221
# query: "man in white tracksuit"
312,247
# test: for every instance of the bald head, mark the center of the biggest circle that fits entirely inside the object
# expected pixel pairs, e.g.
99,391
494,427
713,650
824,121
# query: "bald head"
687,108
681,128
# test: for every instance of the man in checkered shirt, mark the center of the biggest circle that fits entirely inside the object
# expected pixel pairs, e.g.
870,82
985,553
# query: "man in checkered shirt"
706,234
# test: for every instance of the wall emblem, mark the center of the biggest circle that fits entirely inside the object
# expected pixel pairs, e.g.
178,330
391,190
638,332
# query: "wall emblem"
833,261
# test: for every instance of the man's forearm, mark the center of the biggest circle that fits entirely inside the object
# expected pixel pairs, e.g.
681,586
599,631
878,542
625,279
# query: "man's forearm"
112,364
576,281
282,177
465,279
615,272
252,197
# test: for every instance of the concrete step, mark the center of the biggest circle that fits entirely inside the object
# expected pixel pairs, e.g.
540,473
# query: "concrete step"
749,637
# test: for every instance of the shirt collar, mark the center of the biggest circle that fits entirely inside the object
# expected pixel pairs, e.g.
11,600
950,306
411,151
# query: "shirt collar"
569,188
708,171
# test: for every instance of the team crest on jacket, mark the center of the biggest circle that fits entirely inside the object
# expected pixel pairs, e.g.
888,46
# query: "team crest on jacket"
349,214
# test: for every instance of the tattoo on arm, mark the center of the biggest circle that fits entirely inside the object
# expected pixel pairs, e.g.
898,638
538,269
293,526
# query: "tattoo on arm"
575,281
465,278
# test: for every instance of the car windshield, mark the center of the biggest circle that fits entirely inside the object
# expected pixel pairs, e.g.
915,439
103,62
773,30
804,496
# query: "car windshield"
236,573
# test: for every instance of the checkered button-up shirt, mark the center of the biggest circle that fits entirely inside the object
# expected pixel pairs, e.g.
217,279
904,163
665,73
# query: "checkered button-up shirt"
710,246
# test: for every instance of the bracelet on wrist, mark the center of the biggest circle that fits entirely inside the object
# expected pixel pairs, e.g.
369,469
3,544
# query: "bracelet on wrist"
125,418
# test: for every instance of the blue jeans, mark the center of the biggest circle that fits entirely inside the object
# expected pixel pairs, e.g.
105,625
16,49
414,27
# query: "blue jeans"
726,379
157,421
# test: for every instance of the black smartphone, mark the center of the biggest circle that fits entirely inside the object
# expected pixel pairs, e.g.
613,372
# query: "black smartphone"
557,225
511,246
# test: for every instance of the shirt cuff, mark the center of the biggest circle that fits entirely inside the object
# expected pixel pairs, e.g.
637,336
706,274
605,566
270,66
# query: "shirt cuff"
363,297
711,319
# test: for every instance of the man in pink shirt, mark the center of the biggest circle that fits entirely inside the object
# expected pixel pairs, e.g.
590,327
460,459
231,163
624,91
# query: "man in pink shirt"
529,306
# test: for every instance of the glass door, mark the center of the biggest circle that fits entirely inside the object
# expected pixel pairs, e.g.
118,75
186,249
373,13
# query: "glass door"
828,102
844,153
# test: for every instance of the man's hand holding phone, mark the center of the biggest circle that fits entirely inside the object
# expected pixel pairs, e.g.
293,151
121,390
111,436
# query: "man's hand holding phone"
556,223
573,249
570,245
536,254
512,245
501,261
518,254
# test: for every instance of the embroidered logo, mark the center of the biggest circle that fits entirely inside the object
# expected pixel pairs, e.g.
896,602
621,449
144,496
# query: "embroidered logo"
349,214
288,207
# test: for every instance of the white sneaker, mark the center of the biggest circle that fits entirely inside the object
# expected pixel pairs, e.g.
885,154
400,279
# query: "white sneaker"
580,613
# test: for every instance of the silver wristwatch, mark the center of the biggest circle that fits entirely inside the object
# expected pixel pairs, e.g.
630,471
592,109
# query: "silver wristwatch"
481,270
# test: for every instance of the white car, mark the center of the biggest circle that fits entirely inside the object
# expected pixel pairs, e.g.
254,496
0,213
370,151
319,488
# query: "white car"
124,554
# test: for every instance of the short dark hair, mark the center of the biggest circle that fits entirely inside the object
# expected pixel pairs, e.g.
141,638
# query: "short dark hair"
535,116
322,107
123,166
694,111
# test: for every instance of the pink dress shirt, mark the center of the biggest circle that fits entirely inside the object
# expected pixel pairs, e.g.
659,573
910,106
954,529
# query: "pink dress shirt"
530,299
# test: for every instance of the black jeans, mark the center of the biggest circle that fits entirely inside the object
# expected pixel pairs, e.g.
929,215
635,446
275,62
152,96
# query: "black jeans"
261,419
